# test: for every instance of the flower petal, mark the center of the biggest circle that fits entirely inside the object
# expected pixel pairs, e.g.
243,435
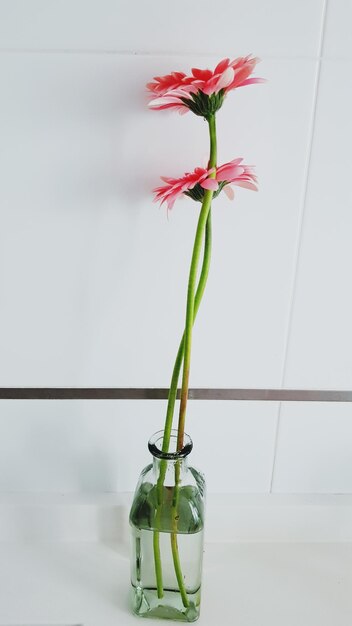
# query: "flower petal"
163,101
235,161
230,172
221,67
225,79
229,192
252,81
210,183
201,74
246,185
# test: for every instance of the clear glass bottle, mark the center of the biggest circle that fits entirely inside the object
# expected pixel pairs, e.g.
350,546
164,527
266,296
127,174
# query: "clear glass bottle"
167,527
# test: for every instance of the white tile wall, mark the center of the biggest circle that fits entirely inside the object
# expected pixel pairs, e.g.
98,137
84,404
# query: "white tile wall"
272,28
320,348
95,446
338,29
314,455
312,451
92,275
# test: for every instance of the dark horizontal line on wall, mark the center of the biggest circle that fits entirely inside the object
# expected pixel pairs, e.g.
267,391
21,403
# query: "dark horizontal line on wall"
138,393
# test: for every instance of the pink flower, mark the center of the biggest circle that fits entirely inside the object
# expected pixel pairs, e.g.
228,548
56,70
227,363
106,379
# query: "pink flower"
193,184
181,92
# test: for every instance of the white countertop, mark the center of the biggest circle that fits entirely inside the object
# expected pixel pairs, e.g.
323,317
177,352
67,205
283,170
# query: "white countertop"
245,584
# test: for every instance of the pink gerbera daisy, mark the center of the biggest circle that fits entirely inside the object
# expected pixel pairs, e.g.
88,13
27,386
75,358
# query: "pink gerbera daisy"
204,90
193,184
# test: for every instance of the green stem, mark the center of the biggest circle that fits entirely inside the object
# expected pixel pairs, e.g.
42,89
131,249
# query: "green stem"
179,358
171,405
173,537
177,367
185,352
203,218
157,563
208,195
178,571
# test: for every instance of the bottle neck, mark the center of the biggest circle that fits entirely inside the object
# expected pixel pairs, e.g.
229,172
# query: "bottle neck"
172,462
174,469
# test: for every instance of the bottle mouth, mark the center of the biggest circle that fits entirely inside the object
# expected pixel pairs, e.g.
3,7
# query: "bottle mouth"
155,445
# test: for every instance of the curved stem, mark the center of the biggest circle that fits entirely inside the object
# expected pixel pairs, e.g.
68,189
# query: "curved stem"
208,195
203,218
185,352
178,570
170,411
178,363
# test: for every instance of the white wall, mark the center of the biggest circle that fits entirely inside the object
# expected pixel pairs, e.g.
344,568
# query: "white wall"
93,275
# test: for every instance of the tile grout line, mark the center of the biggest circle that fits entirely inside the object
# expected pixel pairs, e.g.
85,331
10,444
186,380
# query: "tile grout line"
300,230
225,394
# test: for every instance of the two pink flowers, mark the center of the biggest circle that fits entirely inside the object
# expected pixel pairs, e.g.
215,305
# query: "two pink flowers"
203,93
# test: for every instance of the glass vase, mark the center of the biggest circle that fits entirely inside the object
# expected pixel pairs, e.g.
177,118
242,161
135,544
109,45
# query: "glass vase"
167,530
